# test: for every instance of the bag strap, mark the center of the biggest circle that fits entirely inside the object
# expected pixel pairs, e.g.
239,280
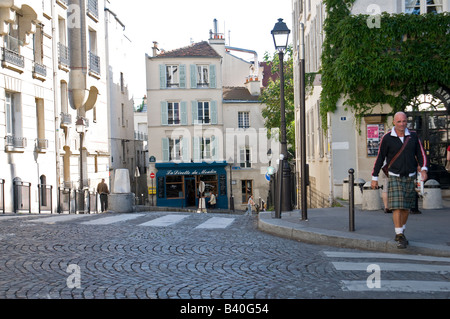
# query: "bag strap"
399,152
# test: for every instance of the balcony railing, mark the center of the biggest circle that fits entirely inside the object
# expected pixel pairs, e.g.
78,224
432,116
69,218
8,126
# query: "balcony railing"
63,55
66,119
39,70
94,63
16,142
93,8
41,144
13,57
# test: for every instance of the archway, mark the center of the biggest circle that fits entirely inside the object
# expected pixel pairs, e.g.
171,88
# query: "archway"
428,115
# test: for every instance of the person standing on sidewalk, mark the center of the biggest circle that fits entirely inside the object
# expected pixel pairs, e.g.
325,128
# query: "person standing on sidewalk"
402,172
103,190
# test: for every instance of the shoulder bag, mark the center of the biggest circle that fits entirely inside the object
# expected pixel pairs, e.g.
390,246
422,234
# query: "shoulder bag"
386,167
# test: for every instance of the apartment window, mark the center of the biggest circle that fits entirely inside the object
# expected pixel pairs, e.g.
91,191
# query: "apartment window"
202,76
172,76
173,113
243,119
41,142
205,147
38,45
203,113
245,157
13,112
122,84
64,98
423,6
175,150
247,190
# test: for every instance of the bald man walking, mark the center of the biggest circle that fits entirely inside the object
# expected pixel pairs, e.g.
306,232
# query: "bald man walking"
402,172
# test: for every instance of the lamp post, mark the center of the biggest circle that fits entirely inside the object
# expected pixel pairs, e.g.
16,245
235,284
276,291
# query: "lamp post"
280,34
304,168
81,129
231,185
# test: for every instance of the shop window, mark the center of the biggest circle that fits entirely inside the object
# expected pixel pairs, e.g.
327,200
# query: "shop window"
210,184
174,187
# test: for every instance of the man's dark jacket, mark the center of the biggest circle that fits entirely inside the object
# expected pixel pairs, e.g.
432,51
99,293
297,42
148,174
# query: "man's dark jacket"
411,157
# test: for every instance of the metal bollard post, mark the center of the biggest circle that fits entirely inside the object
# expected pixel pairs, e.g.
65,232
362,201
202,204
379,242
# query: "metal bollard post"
351,198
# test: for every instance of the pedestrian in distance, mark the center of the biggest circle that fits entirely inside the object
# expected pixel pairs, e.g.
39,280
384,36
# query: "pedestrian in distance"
212,201
250,203
403,152
103,190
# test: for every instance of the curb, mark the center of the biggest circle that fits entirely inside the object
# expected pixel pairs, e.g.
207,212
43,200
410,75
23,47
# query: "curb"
341,239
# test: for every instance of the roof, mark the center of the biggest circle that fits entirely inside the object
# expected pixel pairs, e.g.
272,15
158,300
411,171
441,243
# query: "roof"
237,93
200,49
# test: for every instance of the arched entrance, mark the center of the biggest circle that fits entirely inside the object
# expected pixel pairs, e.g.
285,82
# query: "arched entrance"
428,115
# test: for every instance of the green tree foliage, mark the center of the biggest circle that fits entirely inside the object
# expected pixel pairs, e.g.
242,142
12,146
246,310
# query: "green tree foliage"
270,96
405,56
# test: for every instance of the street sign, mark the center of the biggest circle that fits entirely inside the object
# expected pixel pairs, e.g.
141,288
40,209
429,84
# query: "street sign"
267,175
270,170
152,175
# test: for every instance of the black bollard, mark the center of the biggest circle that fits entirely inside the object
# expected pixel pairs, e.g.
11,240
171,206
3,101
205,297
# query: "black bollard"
351,199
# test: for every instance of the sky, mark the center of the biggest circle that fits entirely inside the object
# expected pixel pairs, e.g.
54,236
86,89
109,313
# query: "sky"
176,23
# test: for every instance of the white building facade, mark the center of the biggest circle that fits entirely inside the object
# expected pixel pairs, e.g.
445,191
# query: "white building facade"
54,104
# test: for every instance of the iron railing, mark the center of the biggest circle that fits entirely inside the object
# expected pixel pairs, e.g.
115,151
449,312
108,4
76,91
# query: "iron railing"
22,196
45,198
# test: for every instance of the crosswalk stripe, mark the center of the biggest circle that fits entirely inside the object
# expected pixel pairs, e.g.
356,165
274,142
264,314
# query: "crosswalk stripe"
112,219
392,267
398,286
165,221
58,218
216,222
341,254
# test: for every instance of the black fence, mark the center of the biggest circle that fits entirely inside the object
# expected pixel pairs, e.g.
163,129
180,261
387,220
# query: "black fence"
2,195
68,200
22,196
75,201
45,198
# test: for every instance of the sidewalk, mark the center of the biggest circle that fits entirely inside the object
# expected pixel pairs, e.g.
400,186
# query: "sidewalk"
428,233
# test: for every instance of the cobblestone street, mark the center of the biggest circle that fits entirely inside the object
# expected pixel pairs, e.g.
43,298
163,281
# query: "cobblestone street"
89,257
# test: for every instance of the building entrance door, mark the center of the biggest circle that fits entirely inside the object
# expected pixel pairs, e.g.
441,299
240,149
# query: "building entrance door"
428,116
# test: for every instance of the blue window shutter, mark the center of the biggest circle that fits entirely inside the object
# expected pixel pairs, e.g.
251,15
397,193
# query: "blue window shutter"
182,76
194,112
183,113
162,77
213,111
212,76
193,76
164,114
165,149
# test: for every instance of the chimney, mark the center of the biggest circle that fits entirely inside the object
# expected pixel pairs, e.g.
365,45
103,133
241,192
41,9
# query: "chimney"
155,48
253,85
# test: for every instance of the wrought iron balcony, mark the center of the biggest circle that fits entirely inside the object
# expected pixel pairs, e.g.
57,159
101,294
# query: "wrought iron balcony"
41,144
92,8
15,142
66,119
39,71
63,55
94,63
12,58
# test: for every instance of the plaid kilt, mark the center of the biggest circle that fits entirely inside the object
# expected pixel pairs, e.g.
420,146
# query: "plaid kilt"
401,192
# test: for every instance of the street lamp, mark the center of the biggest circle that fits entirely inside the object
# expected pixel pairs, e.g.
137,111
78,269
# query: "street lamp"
80,127
280,34
230,160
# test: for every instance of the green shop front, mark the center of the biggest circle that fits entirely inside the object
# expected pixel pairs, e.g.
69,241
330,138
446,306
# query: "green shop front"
177,184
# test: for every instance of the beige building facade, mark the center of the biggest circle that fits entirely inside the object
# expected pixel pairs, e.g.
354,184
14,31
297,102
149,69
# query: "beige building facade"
331,152
203,123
